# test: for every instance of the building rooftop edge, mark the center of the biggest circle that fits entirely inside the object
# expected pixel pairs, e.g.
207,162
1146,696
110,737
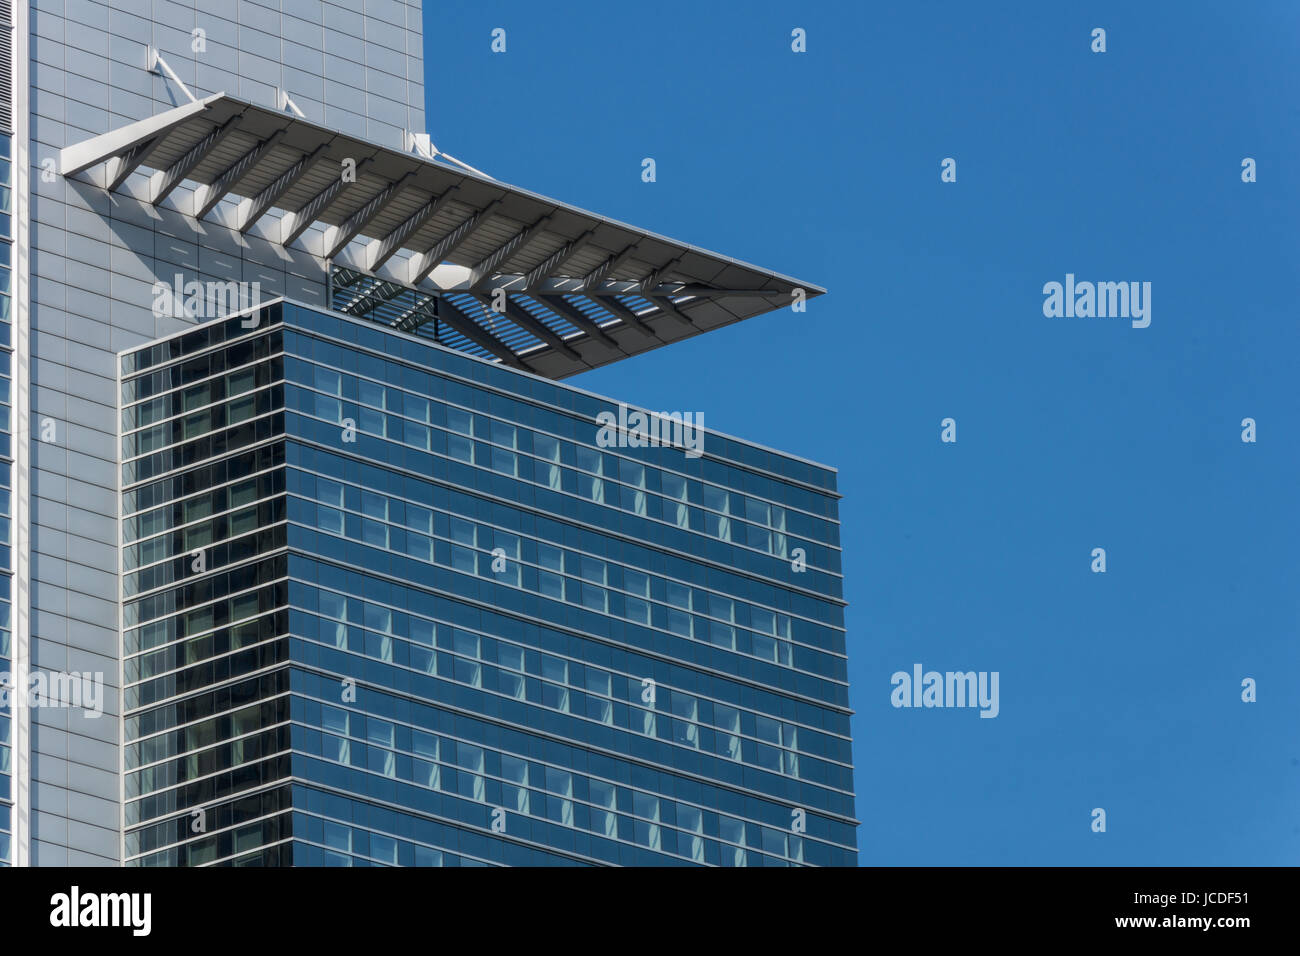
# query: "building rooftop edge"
363,323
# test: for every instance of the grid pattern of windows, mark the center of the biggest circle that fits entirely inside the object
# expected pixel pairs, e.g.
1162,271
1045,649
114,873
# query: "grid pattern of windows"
204,620
532,557
658,499
6,475
469,633
703,497
732,724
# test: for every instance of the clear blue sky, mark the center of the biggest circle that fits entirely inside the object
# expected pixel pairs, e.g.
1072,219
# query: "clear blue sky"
1119,690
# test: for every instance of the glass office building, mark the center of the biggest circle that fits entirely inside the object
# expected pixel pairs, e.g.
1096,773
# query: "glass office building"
6,486
353,576
387,603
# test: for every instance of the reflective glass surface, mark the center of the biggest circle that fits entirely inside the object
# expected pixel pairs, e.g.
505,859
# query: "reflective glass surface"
389,604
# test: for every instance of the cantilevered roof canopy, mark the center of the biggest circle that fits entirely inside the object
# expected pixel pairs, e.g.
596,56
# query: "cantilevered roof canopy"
580,290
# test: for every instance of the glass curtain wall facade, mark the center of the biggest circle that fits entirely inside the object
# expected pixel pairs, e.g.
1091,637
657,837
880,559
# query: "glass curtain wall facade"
6,483
389,604
204,613
88,252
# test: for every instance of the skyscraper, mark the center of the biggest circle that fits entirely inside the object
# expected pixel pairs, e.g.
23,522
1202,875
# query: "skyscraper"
436,619
292,472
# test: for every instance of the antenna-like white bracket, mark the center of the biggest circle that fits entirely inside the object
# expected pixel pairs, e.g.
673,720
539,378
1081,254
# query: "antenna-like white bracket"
283,101
422,144
419,143
156,64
